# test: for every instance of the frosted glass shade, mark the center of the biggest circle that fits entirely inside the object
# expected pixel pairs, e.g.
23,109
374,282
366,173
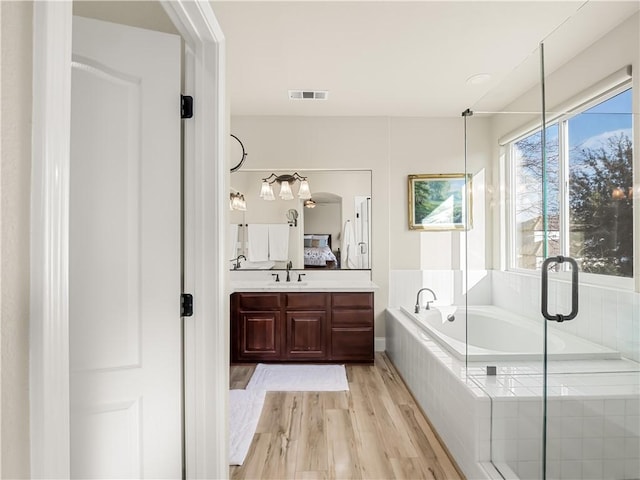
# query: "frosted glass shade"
237,202
285,191
304,192
266,192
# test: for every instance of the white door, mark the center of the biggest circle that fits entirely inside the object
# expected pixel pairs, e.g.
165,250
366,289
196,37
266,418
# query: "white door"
125,326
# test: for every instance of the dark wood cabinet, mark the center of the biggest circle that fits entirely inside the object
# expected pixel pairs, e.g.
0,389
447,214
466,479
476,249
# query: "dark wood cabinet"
302,326
259,335
256,331
306,335
307,325
352,337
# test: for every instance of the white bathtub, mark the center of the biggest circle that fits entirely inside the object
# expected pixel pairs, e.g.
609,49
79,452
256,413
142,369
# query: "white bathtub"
496,334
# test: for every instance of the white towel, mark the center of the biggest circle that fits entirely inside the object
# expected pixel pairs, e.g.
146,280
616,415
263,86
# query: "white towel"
245,407
279,241
299,378
258,239
348,246
233,241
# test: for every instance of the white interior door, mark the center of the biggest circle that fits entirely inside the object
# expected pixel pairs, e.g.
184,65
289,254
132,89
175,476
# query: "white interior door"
125,326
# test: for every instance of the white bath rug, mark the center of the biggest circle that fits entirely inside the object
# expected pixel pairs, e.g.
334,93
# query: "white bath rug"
299,378
245,407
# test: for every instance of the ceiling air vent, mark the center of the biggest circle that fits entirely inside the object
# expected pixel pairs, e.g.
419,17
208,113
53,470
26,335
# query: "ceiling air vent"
308,94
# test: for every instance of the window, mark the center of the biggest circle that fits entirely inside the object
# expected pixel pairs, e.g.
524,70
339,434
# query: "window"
584,209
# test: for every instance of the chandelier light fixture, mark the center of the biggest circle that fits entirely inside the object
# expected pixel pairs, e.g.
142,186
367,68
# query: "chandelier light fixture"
237,201
285,181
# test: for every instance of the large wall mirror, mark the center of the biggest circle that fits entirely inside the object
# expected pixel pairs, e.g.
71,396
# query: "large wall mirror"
332,230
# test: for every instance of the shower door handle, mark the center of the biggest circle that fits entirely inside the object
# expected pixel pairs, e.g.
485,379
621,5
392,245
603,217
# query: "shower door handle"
558,317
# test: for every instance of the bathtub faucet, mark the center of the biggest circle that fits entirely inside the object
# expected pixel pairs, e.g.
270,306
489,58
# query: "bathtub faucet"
427,307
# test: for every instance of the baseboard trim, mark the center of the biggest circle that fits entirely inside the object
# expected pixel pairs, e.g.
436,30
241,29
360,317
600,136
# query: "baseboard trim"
380,344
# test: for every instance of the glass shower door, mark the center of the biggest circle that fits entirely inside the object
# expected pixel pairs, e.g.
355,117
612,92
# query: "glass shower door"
592,369
561,220
505,331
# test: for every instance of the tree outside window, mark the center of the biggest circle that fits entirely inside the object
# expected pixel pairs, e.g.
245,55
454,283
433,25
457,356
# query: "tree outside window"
597,223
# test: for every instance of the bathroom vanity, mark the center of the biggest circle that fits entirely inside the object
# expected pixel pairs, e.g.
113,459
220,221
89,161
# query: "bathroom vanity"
313,322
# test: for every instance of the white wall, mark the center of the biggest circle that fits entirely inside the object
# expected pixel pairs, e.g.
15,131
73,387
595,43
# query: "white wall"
325,218
391,148
435,145
296,143
15,171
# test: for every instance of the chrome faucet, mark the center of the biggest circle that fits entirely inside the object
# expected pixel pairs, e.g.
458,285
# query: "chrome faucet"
289,266
427,307
236,265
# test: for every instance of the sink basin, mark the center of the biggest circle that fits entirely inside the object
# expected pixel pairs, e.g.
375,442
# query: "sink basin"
282,284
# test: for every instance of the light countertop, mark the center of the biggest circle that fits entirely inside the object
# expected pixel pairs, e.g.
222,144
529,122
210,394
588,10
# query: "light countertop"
310,286
311,281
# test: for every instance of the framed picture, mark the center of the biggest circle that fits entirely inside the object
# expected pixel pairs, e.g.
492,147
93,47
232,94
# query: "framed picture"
440,201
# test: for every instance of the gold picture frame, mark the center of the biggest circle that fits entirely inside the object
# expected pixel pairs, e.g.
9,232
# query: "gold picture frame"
440,201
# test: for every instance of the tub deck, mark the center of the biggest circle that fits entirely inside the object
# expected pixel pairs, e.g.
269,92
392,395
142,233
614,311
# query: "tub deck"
481,417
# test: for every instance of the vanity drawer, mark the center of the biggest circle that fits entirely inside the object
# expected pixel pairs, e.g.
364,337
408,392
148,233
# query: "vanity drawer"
351,317
352,300
258,301
306,301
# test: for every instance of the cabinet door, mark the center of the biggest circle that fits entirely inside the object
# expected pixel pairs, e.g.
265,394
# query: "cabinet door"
352,344
352,327
259,335
307,335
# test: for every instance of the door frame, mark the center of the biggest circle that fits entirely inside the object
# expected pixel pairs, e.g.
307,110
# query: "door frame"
205,181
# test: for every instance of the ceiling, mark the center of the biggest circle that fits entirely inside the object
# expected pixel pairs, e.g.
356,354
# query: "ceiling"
395,58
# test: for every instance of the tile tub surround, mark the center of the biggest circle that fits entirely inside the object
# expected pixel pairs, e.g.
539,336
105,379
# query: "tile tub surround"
607,316
457,408
587,437
513,435
591,433
486,333
447,284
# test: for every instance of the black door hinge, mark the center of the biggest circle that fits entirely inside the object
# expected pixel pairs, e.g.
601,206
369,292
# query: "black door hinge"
186,305
186,106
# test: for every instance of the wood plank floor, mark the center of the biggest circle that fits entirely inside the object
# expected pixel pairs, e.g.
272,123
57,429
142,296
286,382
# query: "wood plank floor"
373,431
